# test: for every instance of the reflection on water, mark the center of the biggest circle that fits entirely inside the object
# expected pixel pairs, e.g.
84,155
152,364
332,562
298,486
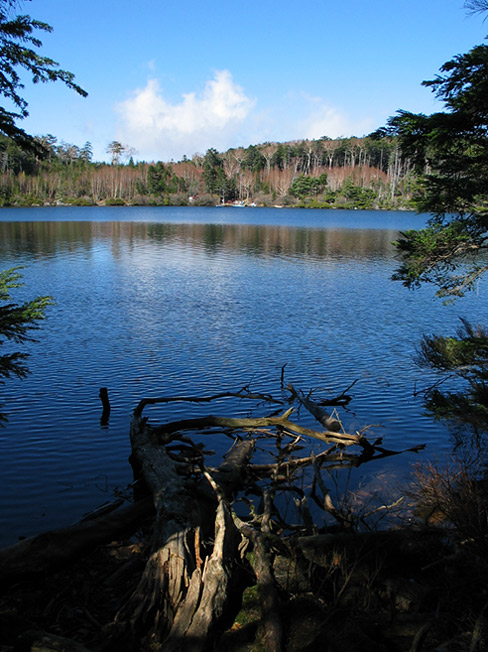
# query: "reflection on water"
183,303
52,238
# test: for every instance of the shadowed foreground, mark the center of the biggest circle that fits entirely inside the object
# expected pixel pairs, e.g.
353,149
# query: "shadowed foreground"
253,555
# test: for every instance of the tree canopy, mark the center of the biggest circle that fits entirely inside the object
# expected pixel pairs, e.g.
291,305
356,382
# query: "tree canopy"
450,148
476,6
19,46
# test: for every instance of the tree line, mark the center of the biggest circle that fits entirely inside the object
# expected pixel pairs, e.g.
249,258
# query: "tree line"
324,173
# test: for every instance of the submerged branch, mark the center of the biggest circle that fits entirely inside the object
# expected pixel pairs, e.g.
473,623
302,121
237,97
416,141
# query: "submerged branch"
324,418
242,393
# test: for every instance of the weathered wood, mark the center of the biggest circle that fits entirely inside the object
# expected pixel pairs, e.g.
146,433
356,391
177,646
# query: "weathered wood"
103,396
340,400
324,418
231,473
184,590
264,470
188,585
150,611
46,552
103,510
243,393
195,623
211,421
261,564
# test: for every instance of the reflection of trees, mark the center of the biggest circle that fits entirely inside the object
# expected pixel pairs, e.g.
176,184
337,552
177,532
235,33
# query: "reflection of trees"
44,238
48,238
463,357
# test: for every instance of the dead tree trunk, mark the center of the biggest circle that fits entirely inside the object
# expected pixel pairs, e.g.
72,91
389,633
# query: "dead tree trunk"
183,594
323,417
185,591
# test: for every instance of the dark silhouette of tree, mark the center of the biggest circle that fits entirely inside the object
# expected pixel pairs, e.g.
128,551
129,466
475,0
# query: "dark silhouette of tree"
450,149
17,320
464,355
476,6
19,47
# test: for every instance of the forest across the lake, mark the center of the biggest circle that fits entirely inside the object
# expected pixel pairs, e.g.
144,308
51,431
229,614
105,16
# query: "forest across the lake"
357,173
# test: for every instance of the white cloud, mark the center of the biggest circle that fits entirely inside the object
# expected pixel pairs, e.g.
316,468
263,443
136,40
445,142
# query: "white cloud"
159,129
223,116
326,120
299,115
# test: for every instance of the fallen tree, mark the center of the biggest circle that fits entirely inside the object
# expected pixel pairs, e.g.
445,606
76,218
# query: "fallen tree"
186,594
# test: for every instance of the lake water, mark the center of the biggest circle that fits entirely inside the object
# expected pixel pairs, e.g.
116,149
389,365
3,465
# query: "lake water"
191,301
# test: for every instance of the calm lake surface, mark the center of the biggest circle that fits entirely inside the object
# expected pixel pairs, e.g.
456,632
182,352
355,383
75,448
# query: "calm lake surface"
192,301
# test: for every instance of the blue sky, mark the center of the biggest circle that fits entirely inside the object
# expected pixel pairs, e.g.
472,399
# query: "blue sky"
170,78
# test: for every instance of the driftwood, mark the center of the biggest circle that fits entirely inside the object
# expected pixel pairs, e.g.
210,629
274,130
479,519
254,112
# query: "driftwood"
185,592
324,418
103,396
211,421
341,399
243,393
261,565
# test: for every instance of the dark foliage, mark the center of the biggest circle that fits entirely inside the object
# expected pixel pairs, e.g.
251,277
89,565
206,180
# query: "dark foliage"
17,320
451,149
19,47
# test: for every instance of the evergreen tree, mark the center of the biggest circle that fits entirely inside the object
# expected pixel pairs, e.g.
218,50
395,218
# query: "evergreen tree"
222,184
86,152
18,51
211,164
451,149
304,186
253,159
156,179
14,158
16,322
476,6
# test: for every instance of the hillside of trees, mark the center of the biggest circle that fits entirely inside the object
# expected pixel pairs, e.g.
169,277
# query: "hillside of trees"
343,173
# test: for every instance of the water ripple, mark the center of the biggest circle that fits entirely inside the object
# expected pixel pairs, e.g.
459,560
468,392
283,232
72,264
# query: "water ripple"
150,308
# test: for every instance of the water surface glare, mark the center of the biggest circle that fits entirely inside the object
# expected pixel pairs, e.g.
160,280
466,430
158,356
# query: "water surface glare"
175,301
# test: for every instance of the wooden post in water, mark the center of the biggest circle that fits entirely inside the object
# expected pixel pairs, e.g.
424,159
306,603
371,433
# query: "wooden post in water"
103,395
